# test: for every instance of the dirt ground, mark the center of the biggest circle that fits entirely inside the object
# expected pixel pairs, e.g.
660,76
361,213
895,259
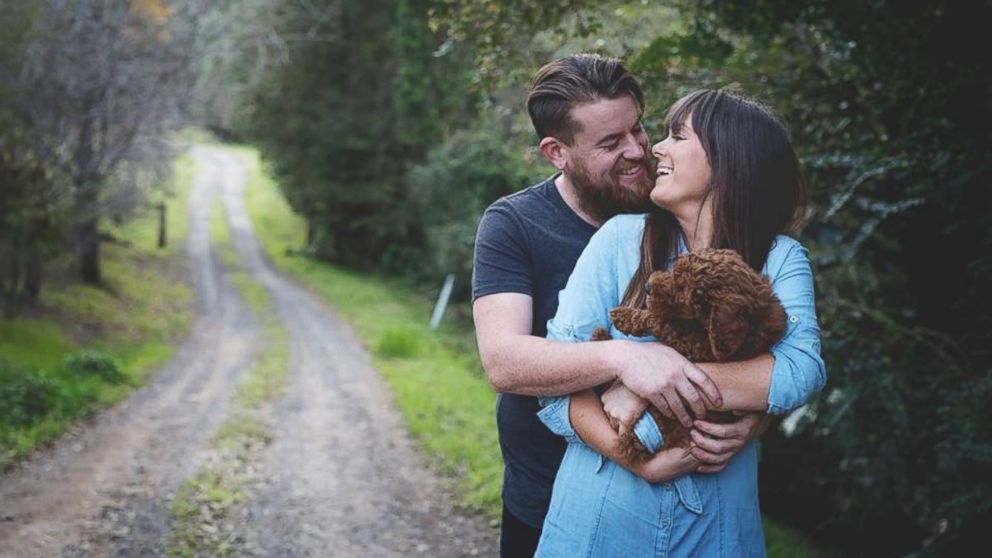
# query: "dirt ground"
339,478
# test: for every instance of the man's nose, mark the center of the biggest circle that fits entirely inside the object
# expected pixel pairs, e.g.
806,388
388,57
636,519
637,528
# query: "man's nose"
633,149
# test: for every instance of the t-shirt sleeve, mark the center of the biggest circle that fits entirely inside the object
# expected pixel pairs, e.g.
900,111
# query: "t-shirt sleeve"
799,370
585,302
503,260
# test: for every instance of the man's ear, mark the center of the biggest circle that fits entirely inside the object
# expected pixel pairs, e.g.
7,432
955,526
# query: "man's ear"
554,150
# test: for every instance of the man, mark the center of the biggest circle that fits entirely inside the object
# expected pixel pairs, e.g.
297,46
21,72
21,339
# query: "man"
587,111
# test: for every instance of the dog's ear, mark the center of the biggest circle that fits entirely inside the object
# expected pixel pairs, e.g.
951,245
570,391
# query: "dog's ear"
729,324
632,321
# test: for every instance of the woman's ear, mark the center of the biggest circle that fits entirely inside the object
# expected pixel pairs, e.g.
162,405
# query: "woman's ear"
555,151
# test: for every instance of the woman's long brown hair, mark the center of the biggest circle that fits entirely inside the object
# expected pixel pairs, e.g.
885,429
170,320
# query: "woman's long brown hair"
757,186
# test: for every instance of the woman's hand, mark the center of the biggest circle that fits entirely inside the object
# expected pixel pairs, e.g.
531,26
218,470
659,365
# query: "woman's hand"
667,465
715,444
623,407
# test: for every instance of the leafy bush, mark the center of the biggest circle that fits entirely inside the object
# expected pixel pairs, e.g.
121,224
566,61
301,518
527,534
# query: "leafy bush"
460,178
25,395
94,363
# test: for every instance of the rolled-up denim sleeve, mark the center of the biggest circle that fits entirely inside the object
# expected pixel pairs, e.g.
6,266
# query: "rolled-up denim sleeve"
799,370
648,433
554,415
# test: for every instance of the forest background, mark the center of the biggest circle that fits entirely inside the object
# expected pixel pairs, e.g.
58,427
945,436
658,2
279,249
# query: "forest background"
391,124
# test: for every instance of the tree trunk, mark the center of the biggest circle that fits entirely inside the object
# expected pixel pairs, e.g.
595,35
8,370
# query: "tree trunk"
33,274
162,240
88,240
10,283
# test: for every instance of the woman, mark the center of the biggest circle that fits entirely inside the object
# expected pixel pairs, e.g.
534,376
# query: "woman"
727,178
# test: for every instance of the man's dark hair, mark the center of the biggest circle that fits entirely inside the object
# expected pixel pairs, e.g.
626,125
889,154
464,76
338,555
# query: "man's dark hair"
581,78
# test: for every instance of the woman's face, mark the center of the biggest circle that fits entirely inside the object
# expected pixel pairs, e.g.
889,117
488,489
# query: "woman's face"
683,172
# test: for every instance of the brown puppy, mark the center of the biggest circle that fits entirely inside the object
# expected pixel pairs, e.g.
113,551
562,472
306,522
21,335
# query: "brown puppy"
711,307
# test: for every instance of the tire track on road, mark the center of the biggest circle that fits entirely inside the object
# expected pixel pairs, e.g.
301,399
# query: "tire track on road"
344,476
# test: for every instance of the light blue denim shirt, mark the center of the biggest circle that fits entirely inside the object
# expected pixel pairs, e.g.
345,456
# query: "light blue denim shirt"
599,508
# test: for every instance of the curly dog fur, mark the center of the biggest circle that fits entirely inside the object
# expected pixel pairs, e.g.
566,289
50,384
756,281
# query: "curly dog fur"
711,307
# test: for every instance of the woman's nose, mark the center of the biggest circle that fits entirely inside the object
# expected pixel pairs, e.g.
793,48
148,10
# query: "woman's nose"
658,149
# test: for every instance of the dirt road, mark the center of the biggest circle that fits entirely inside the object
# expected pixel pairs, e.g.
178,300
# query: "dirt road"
340,476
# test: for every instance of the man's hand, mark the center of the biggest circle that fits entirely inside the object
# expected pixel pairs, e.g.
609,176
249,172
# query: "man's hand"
623,407
668,380
715,444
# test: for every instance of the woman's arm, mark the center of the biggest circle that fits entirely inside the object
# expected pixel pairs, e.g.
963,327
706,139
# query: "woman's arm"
714,445
593,427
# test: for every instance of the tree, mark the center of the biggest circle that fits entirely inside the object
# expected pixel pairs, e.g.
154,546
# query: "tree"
100,85
365,90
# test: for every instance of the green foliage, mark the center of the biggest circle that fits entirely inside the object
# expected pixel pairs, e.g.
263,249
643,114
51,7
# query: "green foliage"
459,179
95,363
368,104
26,395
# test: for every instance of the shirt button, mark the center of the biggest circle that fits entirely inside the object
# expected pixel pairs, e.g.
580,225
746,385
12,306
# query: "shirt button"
665,523
793,319
667,485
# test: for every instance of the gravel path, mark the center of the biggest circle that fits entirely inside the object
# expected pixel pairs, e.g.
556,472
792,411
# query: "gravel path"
340,478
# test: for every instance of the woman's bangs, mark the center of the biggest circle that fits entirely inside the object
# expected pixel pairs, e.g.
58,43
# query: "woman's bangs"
680,111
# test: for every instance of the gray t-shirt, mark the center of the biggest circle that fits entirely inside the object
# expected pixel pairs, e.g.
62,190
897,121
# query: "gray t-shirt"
528,243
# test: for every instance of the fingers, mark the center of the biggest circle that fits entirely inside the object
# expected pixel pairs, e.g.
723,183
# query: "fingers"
705,384
713,449
675,406
687,391
736,429
667,465
662,406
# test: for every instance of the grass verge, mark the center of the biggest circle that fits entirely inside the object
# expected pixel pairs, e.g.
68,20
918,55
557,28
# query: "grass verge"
436,377
130,323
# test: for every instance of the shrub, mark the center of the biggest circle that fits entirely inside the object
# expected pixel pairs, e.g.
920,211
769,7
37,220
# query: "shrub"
94,363
25,395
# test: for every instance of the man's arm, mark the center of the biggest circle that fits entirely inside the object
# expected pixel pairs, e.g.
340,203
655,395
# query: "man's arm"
517,362
744,384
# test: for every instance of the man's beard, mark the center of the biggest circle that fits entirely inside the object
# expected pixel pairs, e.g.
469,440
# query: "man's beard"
603,201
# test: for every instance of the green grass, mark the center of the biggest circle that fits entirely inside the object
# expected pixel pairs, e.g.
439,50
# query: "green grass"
436,377
136,317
